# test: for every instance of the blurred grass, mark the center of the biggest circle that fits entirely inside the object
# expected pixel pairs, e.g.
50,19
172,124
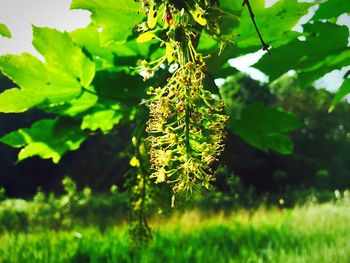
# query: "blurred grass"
310,234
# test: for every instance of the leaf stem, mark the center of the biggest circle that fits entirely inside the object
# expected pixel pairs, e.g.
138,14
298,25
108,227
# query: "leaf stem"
252,16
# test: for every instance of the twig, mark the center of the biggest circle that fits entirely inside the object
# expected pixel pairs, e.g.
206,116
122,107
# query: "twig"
251,13
347,74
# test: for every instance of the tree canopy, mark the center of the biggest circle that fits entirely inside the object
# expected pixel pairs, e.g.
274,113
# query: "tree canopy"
86,82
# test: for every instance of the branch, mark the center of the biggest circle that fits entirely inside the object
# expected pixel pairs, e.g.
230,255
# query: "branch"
251,13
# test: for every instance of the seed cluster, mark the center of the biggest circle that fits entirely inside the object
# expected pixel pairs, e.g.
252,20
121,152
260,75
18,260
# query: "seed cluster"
186,126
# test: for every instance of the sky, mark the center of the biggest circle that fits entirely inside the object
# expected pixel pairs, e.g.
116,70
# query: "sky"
19,15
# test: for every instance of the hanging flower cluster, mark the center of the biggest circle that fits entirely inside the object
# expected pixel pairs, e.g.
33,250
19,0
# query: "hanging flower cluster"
186,130
186,126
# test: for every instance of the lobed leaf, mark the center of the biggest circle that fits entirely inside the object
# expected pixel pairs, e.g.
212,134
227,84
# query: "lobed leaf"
117,18
16,100
62,55
312,58
331,9
104,120
275,24
61,78
265,128
48,139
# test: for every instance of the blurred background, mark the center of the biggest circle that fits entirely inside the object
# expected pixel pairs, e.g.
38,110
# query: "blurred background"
282,184
320,161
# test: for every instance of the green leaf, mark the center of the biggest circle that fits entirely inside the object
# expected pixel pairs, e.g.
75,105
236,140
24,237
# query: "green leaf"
89,39
332,9
77,106
31,75
60,79
312,58
265,128
116,17
116,56
4,31
275,24
308,75
48,139
63,55
15,100
104,120
120,86
342,92
279,143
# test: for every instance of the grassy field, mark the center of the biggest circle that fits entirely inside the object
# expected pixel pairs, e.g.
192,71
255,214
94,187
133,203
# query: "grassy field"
310,234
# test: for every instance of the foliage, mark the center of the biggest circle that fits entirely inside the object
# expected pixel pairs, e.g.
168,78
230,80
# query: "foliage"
312,58
265,131
76,208
46,138
342,92
4,31
71,209
322,144
87,82
332,9
79,76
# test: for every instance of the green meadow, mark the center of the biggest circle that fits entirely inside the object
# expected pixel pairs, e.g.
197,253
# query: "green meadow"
317,233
